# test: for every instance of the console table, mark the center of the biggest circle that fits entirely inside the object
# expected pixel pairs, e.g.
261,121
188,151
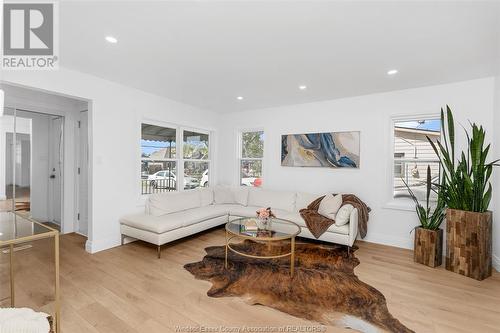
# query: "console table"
17,229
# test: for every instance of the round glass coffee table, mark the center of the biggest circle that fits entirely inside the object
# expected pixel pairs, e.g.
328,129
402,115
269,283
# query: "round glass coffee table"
275,230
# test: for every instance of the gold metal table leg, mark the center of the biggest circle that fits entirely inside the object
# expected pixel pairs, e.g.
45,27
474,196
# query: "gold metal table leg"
292,256
57,305
225,261
12,293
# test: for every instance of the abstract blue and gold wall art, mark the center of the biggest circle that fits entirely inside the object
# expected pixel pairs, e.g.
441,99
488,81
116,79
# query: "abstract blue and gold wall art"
329,150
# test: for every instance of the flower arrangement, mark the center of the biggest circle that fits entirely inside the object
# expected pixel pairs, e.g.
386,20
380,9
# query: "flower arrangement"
265,213
264,217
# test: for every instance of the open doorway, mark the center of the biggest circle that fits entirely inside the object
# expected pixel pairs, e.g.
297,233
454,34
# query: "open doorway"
40,158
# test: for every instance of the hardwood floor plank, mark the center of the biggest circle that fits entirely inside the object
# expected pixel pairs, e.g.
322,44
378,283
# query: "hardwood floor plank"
103,320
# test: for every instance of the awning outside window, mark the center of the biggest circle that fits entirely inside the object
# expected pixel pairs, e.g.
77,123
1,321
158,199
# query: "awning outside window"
158,133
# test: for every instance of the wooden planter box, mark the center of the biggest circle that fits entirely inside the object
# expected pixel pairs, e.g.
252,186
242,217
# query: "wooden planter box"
428,247
468,243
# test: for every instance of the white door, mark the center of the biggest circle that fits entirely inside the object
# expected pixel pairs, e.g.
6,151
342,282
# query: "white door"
83,174
55,169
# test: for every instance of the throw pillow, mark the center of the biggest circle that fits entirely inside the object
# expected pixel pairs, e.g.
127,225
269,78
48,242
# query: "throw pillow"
224,195
241,195
329,206
207,196
343,215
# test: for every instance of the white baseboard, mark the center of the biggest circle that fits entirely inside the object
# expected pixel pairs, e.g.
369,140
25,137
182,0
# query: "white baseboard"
95,246
402,242
496,263
106,244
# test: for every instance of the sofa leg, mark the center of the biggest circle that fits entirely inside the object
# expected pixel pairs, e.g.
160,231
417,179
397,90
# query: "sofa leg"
159,251
348,250
123,239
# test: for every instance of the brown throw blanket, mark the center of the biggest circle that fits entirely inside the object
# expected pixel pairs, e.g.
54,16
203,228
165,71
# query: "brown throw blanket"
318,224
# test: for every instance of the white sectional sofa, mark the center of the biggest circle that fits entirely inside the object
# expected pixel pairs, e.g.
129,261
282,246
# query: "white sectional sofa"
174,215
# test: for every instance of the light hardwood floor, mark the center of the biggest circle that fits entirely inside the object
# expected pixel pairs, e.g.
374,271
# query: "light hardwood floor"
126,289
22,195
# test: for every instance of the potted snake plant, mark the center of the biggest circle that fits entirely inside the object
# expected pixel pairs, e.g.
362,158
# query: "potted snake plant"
466,191
428,244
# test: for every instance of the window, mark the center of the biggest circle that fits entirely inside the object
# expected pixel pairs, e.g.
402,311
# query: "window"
196,159
398,165
412,154
164,168
250,159
158,159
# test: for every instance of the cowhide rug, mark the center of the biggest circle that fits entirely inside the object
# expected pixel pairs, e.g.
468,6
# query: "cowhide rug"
324,287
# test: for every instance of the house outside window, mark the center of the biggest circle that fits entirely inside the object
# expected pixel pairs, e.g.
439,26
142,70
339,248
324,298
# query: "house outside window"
251,158
398,165
412,154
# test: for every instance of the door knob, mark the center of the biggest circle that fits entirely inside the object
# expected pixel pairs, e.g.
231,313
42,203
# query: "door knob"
52,176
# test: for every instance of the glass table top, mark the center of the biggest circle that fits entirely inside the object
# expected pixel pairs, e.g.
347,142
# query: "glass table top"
14,227
275,229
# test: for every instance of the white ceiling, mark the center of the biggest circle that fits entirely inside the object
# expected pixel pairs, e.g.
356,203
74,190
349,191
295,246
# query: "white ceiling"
206,53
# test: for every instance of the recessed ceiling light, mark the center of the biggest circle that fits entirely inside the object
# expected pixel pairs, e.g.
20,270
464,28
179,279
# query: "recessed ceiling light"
239,98
302,87
392,72
111,39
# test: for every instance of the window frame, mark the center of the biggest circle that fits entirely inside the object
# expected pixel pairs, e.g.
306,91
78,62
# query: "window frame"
239,153
179,156
405,204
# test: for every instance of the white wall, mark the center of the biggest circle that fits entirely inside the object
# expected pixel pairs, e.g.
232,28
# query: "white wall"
115,113
371,114
496,187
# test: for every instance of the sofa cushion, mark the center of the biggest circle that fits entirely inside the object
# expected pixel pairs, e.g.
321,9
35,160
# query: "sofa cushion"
239,210
279,213
165,203
200,214
241,195
304,199
151,223
224,195
168,222
207,196
275,199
